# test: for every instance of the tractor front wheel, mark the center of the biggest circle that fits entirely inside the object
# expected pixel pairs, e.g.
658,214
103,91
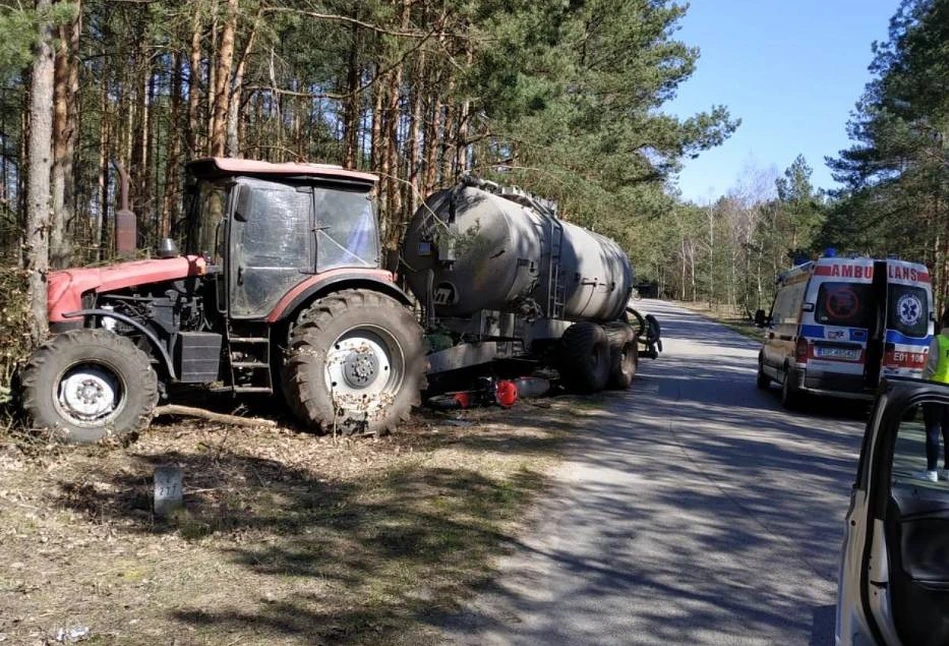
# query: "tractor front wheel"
355,363
86,384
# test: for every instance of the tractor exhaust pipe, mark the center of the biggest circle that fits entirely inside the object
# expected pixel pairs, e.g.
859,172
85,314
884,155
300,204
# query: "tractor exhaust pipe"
126,230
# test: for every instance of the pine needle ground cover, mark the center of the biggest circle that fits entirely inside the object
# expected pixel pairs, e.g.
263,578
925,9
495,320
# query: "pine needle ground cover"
285,538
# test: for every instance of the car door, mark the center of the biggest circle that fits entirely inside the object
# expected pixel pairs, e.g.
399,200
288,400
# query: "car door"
894,584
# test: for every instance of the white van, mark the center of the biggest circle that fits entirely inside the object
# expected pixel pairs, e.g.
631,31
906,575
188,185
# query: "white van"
838,325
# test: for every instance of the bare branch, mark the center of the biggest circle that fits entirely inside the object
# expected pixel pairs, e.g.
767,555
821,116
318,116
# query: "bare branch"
354,21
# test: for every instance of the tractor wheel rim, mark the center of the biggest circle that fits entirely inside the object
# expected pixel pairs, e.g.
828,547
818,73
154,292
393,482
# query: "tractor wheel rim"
364,369
90,394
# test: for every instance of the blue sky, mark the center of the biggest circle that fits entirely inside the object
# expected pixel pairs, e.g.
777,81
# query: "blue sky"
790,69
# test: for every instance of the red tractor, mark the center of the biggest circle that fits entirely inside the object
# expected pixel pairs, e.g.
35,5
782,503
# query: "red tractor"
280,292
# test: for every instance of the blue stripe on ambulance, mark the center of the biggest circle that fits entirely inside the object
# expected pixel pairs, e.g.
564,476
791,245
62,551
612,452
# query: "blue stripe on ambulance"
812,331
893,336
820,332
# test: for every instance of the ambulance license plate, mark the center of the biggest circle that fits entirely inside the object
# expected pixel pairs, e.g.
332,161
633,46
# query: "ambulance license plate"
847,354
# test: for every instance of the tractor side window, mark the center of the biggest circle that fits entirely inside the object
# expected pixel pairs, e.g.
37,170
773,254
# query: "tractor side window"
346,229
213,206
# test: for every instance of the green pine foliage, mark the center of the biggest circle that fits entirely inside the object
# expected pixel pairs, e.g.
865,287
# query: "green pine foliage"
895,198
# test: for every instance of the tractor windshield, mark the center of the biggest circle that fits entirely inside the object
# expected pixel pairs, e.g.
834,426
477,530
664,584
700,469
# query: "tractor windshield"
346,229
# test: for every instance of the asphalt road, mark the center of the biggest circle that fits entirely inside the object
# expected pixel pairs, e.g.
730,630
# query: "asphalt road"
693,510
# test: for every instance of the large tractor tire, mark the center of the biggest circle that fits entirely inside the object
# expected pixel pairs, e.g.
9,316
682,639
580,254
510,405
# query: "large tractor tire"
624,355
87,384
355,364
585,358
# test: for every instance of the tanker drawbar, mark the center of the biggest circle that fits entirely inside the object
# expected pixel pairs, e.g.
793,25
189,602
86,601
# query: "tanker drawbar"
502,278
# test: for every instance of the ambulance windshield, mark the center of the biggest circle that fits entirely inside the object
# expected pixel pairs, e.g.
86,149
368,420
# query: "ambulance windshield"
845,304
909,310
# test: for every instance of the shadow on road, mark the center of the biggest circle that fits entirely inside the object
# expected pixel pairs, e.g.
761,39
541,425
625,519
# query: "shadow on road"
695,510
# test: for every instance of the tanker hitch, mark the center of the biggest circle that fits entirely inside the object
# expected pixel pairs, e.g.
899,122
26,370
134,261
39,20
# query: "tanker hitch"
648,334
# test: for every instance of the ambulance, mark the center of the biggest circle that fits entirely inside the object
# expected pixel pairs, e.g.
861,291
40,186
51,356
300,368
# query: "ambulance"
839,325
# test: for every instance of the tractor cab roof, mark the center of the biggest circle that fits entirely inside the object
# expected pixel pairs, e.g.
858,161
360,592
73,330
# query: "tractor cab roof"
218,167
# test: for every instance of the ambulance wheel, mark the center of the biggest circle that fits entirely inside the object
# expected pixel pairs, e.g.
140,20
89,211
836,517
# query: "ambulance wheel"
790,396
764,381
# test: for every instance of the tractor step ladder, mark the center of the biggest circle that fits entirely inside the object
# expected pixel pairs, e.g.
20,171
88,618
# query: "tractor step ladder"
249,359
556,287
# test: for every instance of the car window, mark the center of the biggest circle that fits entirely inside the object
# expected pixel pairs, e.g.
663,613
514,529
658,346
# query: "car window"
787,304
908,307
845,304
922,425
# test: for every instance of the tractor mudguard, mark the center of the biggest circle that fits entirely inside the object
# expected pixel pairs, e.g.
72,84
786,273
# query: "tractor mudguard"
160,349
379,280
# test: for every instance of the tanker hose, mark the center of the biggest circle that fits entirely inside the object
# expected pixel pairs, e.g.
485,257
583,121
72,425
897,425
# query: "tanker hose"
649,332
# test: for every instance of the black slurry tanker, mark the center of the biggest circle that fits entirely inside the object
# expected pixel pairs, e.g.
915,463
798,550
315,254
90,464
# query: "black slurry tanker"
503,281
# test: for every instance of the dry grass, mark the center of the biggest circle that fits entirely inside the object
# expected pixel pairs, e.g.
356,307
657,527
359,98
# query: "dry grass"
286,538
15,319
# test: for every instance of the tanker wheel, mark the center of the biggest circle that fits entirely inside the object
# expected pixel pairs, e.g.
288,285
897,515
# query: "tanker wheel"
624,355
85,384
355,364
763,381
585,358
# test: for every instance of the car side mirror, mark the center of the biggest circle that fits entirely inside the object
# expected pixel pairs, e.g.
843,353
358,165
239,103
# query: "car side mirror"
807,307
761,319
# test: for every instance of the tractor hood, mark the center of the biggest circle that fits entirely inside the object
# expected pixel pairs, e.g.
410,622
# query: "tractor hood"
67,287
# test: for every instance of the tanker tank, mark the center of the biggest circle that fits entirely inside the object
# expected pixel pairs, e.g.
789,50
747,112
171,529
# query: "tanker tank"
479,247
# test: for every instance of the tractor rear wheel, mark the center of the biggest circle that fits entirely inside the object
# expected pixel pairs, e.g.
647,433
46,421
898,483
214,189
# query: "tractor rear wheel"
85,384
624,355
355,363
585,358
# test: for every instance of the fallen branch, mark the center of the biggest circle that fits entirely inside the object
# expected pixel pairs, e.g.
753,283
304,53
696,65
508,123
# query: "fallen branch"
190,411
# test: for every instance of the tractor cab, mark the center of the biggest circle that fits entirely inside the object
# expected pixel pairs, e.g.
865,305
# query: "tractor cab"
266,228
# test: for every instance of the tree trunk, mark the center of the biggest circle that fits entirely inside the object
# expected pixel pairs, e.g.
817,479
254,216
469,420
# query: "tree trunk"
351,116
172,160
102,210
432,139
194,83
222,79
36,247
234,105
65,89
461,144
414,162
376,133
390,175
